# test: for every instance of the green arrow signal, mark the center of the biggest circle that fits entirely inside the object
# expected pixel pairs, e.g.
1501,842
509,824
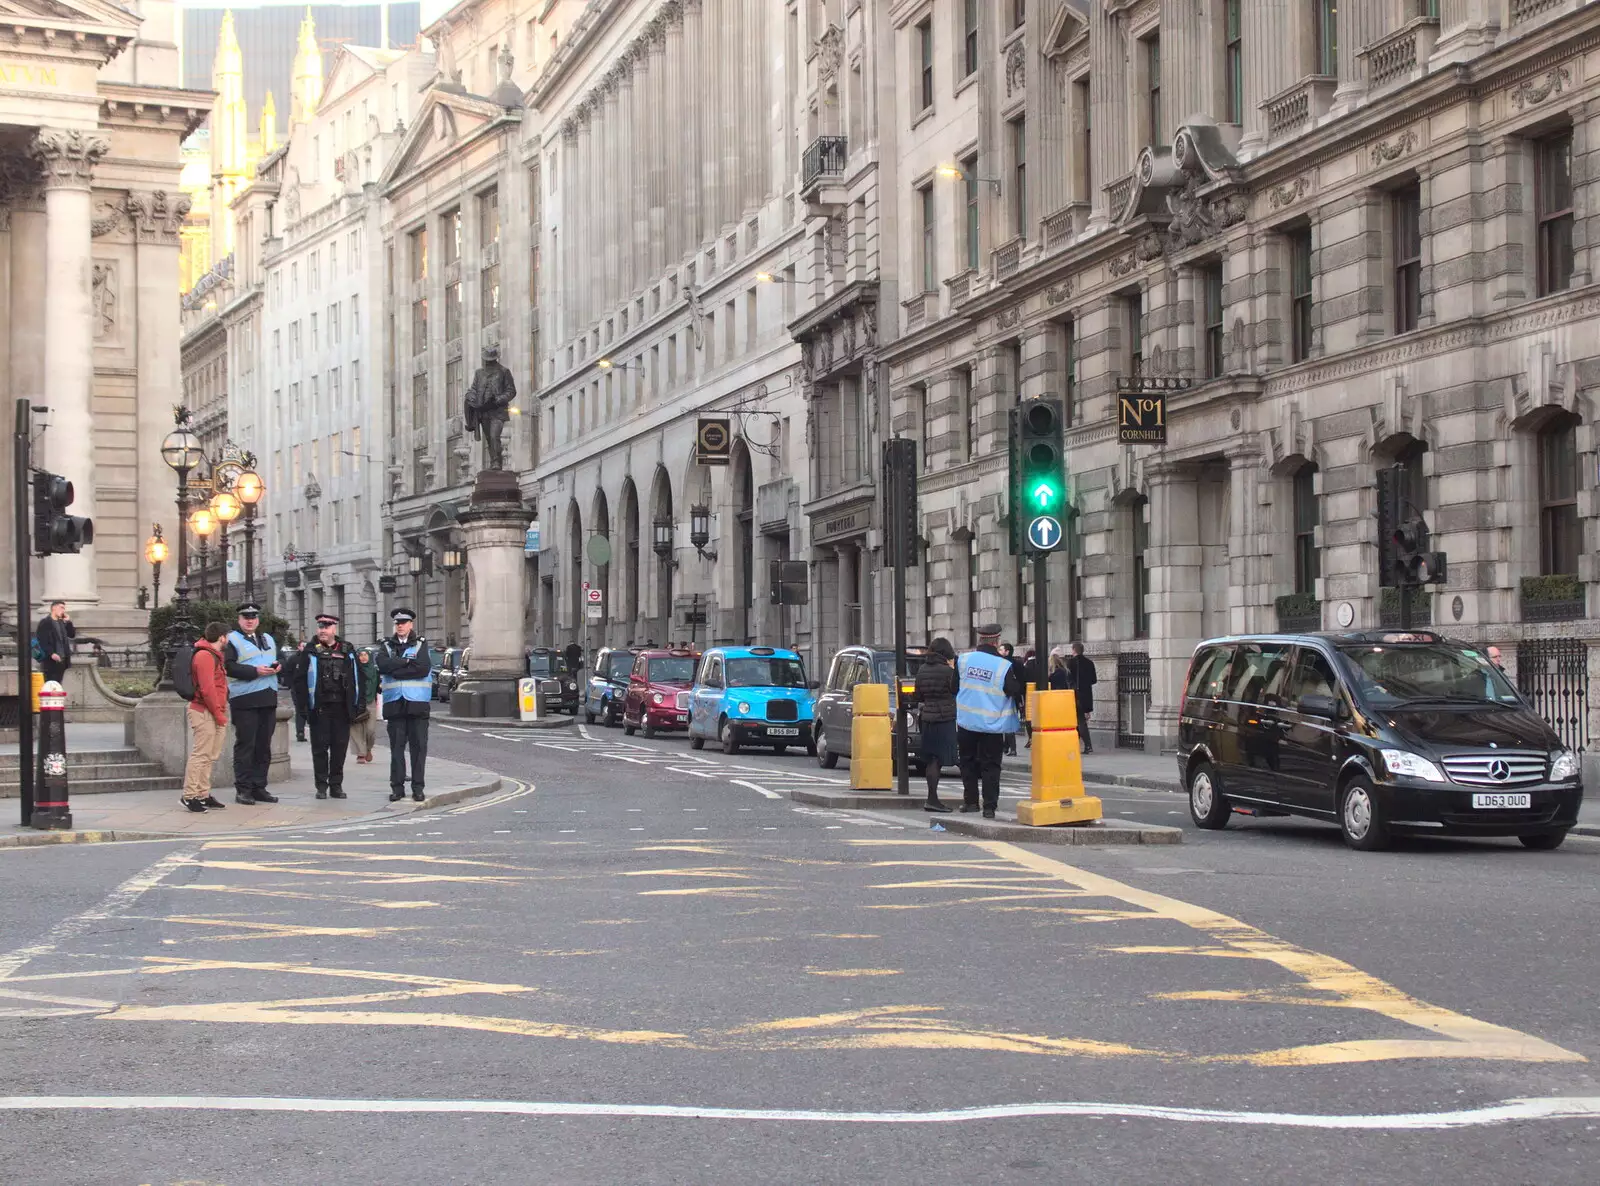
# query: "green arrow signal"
1045,494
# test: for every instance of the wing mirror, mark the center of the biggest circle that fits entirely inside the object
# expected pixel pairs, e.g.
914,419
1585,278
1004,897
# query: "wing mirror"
1326,707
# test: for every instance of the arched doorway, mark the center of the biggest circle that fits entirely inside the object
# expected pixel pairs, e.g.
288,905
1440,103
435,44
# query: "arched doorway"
663,537
574,598
744,545
601,519
628,558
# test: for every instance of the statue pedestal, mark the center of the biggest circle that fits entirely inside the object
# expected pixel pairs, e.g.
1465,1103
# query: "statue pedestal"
495,525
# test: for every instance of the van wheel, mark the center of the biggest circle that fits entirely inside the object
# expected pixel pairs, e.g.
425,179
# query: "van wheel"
627,729
1361,819
697,742
613,714
730,743
826,758
1208,806
588,717
649,729
1543,841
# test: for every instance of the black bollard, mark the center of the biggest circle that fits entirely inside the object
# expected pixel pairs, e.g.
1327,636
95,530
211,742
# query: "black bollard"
51,811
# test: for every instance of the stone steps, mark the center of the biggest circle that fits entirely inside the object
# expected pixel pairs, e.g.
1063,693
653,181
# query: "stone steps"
98,772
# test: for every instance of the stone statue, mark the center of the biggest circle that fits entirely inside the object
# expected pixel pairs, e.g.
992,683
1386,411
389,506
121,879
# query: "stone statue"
488,404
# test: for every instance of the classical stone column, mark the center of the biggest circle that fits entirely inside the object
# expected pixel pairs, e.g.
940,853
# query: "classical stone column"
67,159
494,525
1177,611
27,280
1268,68
1361,22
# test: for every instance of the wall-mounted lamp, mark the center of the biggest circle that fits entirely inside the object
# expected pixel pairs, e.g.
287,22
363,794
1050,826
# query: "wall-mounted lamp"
663,545
700,531
453,560
951,173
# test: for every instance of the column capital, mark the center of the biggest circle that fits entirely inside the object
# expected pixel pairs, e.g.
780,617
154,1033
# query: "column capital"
68,156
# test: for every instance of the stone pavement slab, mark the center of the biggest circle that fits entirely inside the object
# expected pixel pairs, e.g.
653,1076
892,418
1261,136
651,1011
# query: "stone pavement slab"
146,814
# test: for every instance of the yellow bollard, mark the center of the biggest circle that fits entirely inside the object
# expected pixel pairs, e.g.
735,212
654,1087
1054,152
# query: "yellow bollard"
37,681
871,745
1058,796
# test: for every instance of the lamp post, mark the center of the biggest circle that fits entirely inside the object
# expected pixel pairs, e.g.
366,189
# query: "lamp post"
249,489
155,551
203,523
181,451
226,507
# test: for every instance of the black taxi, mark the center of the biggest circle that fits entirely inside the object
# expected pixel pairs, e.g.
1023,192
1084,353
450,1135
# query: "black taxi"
1380,732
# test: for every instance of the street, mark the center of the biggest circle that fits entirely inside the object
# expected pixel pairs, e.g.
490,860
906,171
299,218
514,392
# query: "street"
640,964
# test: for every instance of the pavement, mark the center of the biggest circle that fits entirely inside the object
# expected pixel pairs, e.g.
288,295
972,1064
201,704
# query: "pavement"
647,964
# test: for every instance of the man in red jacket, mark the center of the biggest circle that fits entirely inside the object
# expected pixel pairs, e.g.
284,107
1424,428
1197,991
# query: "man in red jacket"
208,719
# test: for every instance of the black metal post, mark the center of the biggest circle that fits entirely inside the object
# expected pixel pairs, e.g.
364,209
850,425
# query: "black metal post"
250,552
898,516
21,462
181,633
1041,620
155,579
222,552
205,555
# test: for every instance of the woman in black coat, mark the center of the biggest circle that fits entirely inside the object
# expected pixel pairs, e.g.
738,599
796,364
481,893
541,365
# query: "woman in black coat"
935,698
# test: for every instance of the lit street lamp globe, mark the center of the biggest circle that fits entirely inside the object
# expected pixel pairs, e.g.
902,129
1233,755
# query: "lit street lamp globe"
155,550
203,522
249,487
181,450
225,506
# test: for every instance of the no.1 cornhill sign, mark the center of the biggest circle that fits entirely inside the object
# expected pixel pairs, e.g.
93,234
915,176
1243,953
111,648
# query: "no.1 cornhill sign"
1142,408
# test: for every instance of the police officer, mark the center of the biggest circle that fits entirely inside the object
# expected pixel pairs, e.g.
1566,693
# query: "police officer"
986,711
250,660
405,667
327,669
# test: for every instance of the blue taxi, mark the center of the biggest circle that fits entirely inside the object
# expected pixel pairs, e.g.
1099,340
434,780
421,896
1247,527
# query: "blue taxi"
751,696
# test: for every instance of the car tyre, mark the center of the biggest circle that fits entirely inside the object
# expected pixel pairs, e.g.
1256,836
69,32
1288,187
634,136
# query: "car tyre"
588,717
730,743
1543,841
1208,806
697,742
649,729
613,714
1362,818
629,730
818,748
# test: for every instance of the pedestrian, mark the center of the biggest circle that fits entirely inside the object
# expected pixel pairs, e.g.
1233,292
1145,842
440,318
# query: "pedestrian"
208,718
986,711
250,659
1081,673
328,670
364,725
1494,657
1007,652
55,633
1059,680
935,700
1029,677
406,664
297,694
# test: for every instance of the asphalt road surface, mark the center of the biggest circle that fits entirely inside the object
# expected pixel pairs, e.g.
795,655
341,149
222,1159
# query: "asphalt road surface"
645,965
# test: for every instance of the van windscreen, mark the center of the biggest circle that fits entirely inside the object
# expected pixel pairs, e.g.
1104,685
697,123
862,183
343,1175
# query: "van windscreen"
1437,673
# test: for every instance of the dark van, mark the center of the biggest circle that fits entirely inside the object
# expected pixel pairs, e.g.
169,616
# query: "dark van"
1379,732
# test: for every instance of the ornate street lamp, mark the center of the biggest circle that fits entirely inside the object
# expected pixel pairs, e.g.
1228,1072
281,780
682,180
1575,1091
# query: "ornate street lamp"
700,530
181,452
250,489
453,560
155,551
227,508
663,538
203,522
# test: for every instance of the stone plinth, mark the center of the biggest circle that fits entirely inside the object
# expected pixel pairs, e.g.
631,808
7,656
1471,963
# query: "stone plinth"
161,734
495,526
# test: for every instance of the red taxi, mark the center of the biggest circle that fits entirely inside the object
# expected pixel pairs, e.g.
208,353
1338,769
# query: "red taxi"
657,700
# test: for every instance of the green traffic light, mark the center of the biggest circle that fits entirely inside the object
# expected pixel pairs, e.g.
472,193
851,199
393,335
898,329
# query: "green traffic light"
1045,494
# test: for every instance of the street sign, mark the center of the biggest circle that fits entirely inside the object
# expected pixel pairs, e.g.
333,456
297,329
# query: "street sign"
714,440
1044,533
595,596
595,613
530,542
598,550
387,584
1142,407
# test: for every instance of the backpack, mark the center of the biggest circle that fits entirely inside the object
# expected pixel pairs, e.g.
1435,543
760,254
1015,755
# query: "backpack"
38,651
183,675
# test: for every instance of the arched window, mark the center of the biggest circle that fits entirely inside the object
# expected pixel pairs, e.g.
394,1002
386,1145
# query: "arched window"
1559,532
1307,564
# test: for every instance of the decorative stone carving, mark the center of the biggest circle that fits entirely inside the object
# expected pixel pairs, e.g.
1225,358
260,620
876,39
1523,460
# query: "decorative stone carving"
313,490
103,296
1016,67
1057,293
1392,150
830,53
109,218
156,216
1008,318
1122,264
68,156
1528,94
1286,195
1148,248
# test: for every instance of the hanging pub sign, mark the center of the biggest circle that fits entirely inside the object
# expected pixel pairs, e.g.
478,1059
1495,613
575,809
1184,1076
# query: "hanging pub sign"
1142,408
714,440
387,584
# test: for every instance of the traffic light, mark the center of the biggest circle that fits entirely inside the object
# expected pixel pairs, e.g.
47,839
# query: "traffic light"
1414,563
1038,475
900,501
55,531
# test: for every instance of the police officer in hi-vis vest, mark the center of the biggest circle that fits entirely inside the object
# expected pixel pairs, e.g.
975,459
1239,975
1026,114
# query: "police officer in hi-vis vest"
250,661
329,673
405,668
986,711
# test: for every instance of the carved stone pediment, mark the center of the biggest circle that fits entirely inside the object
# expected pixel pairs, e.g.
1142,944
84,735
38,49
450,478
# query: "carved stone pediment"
1070,23
1189,192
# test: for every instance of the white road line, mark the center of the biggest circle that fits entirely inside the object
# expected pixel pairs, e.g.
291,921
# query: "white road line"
1548,1108
114,903
739,782
452,728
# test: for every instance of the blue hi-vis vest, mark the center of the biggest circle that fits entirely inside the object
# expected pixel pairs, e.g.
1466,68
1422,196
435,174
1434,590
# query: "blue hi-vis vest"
408,689
311,681
982,705
251,655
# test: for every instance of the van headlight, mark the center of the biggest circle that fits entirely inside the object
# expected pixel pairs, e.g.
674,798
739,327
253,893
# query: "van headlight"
1410,765
1563,765
657,698
744,708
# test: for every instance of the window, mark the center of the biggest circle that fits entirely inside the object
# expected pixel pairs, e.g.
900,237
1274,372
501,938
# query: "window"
355,316
419,325
489,216
1133,316
335,456
1327,35
452,236
1141,575
419,254
969,173
489,293
1019,173
1019,13
930,239
452,311
1152,75
454,372
969,38
1069,349
1211,284
1300,294
919,417
924,34
1306,564
1559,531
969,408
1406,208
1083,130
1233,61
315,339
1552,188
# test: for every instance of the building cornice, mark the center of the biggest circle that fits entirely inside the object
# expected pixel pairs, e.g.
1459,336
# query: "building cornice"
131,106
585,31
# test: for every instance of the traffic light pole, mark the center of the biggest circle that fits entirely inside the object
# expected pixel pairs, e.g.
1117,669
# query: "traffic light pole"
21,463
1041,623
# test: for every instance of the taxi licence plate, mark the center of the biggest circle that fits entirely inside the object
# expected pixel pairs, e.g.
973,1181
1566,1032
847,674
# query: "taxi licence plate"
1523,801
771,732
683,716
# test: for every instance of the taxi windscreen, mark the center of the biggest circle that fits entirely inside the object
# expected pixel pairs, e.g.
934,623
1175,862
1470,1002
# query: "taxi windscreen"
759,671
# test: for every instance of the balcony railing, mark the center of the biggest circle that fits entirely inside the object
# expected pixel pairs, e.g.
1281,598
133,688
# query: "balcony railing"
1117,194
917,308
1396,58
1300,106
1526,10
1060,228
959,286
1299,613
824,159
1557,598
1007,259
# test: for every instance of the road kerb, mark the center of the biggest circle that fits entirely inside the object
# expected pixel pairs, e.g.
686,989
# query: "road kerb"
1099,834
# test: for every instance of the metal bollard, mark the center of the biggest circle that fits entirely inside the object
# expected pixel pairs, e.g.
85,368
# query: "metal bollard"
35,682
530,705
871,739
51,811
1058,795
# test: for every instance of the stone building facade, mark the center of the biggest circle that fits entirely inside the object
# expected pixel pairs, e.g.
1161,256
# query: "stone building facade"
1349,237
91,118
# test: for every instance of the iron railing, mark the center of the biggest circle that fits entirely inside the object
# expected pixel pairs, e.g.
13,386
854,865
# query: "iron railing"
824,158
1553,676
1133,699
